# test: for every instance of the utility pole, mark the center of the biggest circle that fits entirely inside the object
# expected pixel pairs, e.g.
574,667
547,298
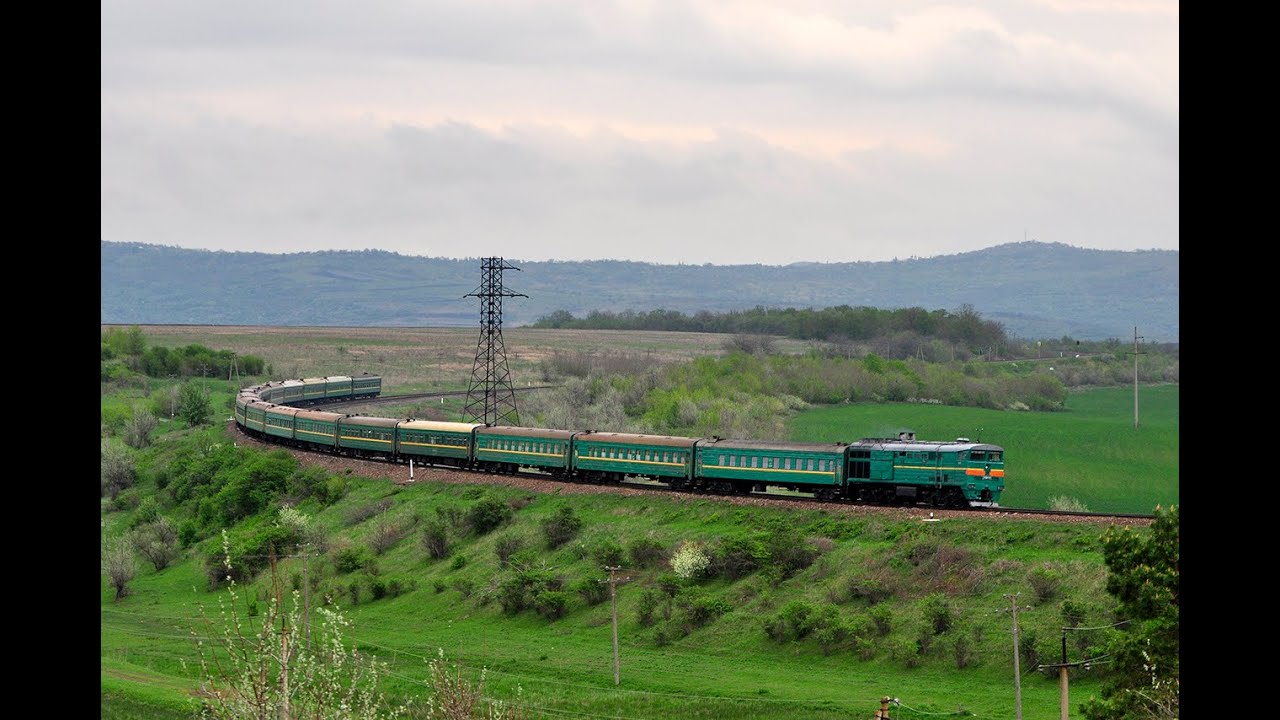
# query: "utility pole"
1062,673
613,581
1136,353
1017,673
306,594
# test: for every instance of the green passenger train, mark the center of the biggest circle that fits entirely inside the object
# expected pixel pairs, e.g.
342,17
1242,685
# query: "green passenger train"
884,471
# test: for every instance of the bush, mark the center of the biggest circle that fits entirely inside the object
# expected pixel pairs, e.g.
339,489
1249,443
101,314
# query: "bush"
593,590
646,553
507,546
550,604
119,566
385,535
357,515
157,541
963,652
937,613
608,553
435,539
352,558
690,561
487,514
137,432
117,466
882,618
1045,582
561,527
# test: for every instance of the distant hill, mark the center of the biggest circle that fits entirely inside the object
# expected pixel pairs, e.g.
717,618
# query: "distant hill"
1037,290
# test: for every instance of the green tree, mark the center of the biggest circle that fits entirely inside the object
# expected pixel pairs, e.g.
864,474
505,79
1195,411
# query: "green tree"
193,405
1143,576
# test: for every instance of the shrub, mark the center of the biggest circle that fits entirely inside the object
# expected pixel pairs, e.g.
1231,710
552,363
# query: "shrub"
737,557
459,562
593,590
646,553
507,546
882,618
435,539
119,566
963,652
357,515
608,553
937,613
550,604
157,541
1066,503
352,558
646,607
561,527
137,432
117,466
690,561
385,535
488,514
1045,582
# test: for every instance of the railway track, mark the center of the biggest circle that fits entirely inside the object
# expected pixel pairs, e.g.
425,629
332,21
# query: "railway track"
546,483
409,397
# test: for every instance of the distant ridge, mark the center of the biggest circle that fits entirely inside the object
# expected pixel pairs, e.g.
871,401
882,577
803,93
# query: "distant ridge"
1037,290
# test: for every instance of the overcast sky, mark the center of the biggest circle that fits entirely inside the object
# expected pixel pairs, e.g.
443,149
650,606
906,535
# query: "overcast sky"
684,131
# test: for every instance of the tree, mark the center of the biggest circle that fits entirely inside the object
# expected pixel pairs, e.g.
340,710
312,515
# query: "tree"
117,468
118,565
1143,576
137,432
267,666
193,405
157,541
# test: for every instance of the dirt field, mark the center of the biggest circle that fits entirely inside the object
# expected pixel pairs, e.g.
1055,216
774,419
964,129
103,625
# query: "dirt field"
426,359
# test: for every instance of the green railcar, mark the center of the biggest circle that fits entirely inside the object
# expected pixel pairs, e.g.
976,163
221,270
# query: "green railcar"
256,416
507,449
242,405
290,392
903,470
278,421
313,389
430,441
365,385
363,435
741,466
608,456
317,427
337,387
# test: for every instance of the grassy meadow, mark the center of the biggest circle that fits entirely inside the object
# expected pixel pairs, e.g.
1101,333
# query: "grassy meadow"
696,649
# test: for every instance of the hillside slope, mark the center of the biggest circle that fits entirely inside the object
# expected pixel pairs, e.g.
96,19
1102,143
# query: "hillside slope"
1036,290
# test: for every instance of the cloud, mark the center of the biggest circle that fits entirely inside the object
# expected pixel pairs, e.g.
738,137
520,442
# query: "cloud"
662,131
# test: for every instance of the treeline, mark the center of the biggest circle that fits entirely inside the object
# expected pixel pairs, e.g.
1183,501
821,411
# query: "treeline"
126,349
964,328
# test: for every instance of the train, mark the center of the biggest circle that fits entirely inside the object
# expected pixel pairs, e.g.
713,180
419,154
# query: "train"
899,470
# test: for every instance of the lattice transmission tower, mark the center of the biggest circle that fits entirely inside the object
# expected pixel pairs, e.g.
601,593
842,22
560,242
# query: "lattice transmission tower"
490,398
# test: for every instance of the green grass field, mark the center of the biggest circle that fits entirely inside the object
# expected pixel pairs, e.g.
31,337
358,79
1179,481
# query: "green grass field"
729,667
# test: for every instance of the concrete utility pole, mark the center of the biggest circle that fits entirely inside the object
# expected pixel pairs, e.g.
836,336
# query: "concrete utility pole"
613,581
1017,673
1062,673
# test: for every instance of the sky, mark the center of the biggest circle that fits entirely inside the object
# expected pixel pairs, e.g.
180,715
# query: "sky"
665,132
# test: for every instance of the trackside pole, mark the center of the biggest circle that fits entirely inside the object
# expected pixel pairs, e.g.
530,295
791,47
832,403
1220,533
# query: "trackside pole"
410,468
